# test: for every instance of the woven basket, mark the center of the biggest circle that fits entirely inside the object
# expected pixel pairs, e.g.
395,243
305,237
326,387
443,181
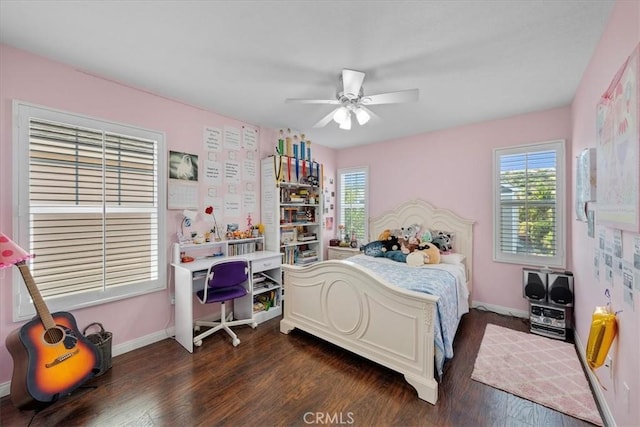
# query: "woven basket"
102,340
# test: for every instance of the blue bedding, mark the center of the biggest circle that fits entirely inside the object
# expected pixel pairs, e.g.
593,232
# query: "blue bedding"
438,280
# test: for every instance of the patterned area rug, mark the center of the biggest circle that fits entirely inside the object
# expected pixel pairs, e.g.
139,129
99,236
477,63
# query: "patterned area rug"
543,370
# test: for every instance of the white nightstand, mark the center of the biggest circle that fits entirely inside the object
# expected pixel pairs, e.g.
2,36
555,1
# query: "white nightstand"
337,252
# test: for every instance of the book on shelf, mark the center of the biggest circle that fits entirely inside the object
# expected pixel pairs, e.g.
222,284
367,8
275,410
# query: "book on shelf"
306,260
306,237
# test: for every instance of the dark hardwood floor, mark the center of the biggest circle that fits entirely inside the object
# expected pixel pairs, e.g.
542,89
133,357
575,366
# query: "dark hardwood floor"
272,379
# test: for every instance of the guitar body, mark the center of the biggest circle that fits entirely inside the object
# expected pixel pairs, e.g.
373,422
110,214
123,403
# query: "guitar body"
49,363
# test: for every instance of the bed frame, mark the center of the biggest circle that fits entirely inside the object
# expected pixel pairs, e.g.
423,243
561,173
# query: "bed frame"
354,309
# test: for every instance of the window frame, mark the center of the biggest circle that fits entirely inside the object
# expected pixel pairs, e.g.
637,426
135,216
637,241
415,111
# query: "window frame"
559,259
22,114
339,190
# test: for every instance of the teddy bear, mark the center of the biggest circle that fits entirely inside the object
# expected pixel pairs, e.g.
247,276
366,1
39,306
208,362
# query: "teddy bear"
409,245
384,235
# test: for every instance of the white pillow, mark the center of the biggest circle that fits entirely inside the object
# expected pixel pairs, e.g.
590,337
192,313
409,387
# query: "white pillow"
451,258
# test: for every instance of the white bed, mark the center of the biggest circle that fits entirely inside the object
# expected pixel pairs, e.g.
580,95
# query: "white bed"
355,309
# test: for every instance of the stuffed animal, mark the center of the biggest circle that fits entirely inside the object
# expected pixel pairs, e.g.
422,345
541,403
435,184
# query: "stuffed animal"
384,235
412,231
431,252
443,240
425,254
426,237
391,244
416,259
407,246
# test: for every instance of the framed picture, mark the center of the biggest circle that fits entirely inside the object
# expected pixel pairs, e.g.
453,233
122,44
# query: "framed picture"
183,166
618,149
329,223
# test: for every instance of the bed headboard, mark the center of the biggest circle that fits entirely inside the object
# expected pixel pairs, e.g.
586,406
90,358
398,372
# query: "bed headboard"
418,211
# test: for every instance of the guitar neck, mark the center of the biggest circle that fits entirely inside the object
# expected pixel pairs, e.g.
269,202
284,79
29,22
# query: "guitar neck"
38,301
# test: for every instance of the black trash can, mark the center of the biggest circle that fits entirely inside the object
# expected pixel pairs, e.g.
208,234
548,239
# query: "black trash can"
102,340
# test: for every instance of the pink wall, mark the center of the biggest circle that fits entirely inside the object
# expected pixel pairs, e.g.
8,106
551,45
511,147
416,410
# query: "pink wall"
621,36
449,168
453,169
33,79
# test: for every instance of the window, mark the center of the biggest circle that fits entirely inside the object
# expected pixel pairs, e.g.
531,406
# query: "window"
353,208
529,204
89,208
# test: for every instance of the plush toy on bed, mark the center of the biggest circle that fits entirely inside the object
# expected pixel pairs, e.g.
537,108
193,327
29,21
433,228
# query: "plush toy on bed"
408,246
391,244
443,240
389,239
412,231
427,253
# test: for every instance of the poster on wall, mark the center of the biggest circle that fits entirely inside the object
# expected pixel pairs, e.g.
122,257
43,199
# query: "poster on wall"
618,150
183,166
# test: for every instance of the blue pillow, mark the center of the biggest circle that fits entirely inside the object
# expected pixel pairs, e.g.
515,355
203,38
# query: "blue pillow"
396,256
373,249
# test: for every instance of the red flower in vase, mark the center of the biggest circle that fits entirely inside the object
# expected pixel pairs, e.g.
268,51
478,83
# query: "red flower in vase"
209,210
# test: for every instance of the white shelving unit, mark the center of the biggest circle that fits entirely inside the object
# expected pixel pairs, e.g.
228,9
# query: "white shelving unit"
291,212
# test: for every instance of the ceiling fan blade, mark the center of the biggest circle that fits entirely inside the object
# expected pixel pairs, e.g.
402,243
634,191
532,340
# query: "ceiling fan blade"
352,82
326,119
311,101
373,116
409,95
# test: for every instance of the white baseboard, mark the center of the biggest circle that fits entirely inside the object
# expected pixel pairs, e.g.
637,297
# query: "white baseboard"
117,350
4,389
499,309
602,402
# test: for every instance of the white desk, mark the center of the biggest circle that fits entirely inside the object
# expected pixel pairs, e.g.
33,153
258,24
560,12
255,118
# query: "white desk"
189,278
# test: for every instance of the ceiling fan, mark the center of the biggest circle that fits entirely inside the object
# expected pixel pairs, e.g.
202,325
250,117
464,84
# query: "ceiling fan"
350,99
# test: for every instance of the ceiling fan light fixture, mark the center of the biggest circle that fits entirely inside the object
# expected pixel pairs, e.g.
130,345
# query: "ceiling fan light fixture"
362,116
346,124
341,115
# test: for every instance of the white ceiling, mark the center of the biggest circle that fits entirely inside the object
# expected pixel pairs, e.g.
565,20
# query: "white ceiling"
471,60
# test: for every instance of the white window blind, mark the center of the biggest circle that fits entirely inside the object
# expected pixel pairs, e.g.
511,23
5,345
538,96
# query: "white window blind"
93,217
353,207
529,226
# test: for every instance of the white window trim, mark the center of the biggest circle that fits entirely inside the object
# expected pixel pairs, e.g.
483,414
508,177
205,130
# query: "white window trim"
22,112
559,260
364,169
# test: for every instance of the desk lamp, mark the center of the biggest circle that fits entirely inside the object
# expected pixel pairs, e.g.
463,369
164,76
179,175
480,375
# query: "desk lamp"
10,253
187,219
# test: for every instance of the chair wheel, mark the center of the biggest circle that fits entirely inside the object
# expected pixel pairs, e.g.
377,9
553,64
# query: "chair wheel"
254,325
196,328
236,342
198,343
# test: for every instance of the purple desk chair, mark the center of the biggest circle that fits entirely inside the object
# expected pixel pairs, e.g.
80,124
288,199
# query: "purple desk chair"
226,281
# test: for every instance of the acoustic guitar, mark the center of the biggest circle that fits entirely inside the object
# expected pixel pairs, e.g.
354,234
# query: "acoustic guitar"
51,358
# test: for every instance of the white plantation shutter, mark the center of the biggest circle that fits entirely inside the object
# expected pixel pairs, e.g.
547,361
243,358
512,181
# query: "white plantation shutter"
94,209
529,225
353,207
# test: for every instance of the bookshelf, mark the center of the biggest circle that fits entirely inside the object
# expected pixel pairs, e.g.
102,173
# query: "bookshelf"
292,211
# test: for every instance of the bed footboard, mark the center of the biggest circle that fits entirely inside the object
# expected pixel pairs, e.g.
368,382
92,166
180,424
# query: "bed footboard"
346,305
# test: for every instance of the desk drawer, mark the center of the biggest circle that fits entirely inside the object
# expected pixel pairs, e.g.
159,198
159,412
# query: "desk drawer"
266,264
